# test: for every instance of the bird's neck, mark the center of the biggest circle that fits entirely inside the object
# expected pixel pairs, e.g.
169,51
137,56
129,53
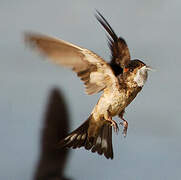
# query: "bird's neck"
127,82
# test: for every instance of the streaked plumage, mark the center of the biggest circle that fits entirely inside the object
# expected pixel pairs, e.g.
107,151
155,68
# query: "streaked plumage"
120,80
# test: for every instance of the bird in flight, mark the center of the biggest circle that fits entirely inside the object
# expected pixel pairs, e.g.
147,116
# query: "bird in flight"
120,81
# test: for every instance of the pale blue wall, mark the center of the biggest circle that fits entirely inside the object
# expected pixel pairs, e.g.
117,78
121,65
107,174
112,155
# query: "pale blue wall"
152,149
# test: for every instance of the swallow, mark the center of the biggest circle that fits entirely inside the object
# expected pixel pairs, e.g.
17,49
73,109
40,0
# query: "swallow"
120,81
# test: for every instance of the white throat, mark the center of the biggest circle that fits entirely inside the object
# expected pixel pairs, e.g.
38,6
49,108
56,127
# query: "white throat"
141,76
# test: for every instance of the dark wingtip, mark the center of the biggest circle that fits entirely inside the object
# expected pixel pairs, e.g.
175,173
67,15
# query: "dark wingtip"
30,39
106,25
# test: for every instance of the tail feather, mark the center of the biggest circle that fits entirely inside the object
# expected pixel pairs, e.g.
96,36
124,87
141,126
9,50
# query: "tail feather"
77,138
102,143
109,152
97,143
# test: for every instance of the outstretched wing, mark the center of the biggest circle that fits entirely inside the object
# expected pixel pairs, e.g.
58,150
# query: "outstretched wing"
118,46
92,69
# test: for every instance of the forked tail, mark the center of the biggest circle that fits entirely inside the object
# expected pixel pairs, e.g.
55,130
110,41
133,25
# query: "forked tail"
101,143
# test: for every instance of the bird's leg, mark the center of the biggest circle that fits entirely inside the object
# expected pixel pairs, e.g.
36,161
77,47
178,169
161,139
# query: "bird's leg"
124,124
113,123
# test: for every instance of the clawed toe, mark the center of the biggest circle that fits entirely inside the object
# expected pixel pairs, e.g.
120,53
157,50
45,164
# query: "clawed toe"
125,131
114,125
125,127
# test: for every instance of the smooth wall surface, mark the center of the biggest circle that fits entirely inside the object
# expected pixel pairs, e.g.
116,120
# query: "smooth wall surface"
152,148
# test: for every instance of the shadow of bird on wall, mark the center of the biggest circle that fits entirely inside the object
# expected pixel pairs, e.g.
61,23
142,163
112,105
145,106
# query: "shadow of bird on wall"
52,160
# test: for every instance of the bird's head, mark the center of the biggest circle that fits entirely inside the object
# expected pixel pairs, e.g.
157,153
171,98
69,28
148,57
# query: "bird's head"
136,71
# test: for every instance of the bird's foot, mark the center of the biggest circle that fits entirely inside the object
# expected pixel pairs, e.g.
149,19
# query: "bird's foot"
125,127
113,124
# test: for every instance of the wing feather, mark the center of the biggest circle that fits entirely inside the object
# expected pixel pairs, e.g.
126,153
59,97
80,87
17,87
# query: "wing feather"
119,49
91,68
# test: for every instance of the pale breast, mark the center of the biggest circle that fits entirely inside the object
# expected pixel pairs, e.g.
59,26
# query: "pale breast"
113,103
118,103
